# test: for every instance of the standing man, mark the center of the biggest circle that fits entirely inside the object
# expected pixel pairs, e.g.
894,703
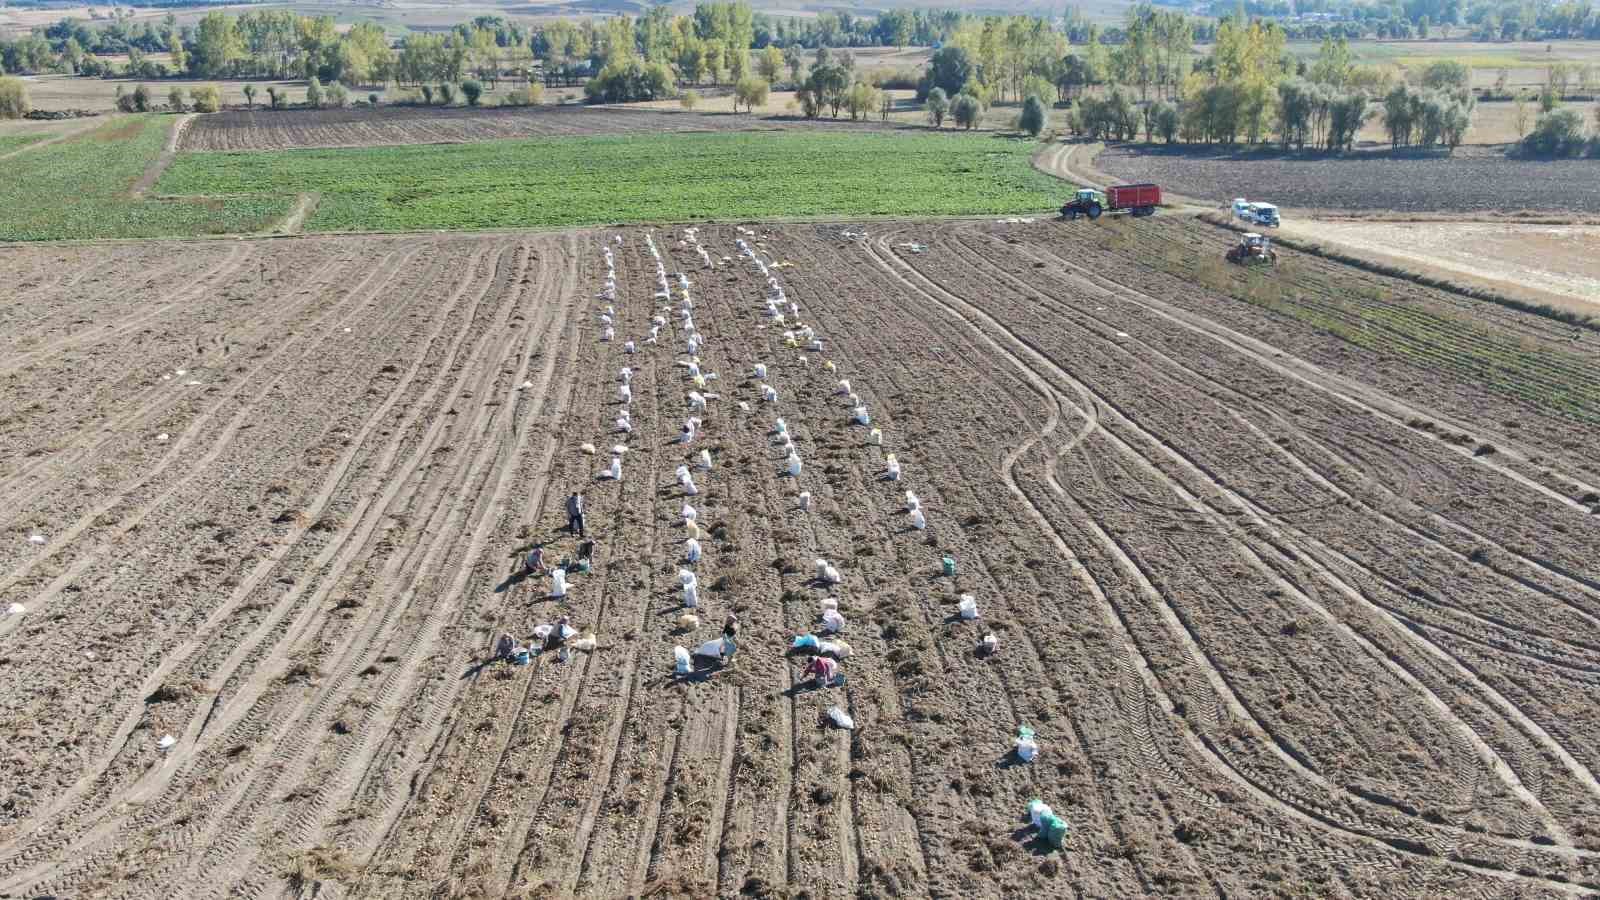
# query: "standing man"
575,514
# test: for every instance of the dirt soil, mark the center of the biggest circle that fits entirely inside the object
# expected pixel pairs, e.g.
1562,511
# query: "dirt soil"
1559,261
291,129
1296,599
1474,180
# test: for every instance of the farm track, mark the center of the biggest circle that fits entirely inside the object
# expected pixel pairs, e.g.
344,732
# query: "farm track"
1268,627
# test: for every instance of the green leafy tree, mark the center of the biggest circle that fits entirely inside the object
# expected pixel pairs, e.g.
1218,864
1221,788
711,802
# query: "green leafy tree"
793,58
830,84
13,98
1166,121
1032,118
689,100
249,96
175,99
472,90
446,93
770,64
861,99
335,96
205,98
938,106
750,91
314,93
141,98
1558,133
1522,113
217,45
966,111
950,68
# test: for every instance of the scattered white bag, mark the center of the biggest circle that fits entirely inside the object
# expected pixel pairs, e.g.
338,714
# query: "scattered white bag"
688,513
682,663
805,499
626,375
841,718
860,417
16,609
629,348
587,643
1038,812
913,502
769,393
875,438
693,550
844,386
167,743
558,582
688,622
615,472
687,577
691,595
918,520
35,538
625,394
793,464
689,488
705,460
608,334
968,607
781,427
990,644
831,575
682,474
893,471
710,648
697,401
1027,747
832,622
587,448
690,529
623,424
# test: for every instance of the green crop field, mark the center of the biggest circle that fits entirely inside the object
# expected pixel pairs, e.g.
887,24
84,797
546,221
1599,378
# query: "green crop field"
11,142
79,188
552,182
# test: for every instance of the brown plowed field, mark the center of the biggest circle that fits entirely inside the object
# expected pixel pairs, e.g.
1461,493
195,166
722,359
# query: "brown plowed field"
1474,179
1293,574
360,127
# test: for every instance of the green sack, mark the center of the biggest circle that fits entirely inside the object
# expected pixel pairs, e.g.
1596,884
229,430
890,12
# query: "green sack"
1054,830
949,567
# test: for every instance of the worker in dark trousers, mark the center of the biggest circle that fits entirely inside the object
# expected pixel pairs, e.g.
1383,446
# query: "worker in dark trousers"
575,514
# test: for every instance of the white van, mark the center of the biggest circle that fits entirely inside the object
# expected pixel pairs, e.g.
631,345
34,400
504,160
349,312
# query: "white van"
1264,214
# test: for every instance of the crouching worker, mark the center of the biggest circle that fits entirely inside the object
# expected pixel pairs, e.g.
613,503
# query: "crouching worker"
504,646
533,563
825,670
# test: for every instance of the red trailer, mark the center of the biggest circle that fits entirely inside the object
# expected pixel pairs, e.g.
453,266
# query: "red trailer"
1136,199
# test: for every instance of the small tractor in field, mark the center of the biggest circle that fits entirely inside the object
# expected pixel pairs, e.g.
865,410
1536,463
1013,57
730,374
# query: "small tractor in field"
1136,199
1253,249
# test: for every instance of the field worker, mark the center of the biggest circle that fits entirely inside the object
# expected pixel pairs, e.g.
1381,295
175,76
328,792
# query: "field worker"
586,555
557,635
504,646
825,670
575,514
534,562
730,638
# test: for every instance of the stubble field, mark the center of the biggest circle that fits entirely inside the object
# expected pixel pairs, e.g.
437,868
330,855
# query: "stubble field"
1296,600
